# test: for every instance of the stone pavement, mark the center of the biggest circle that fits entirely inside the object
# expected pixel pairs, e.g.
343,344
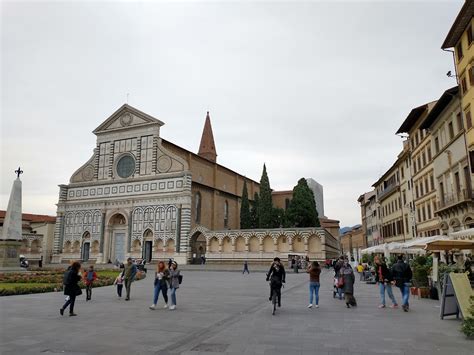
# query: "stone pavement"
226,312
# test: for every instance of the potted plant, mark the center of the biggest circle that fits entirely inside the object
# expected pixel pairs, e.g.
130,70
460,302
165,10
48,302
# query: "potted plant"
420,276
467,326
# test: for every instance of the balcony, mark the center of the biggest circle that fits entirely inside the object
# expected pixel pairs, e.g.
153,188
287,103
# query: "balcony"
451,200
388,191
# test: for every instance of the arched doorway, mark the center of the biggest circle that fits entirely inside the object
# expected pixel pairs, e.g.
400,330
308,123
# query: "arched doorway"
148,245
198,248
86,246
117,243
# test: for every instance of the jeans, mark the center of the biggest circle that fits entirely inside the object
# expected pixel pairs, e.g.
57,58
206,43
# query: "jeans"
88,291
314,288
164,292
246,269
405,290
388,287
173,296
119,290
70,302
128,285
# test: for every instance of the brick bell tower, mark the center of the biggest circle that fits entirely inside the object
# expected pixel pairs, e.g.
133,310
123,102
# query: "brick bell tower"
207,148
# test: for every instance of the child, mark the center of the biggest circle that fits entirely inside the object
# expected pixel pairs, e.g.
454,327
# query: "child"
89,278
119,282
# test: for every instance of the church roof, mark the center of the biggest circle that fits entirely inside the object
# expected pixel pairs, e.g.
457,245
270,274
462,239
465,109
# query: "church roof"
32,217
126,116
207,148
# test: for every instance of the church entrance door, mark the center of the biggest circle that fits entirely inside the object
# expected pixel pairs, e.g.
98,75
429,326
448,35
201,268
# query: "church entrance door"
119,247
85,251
148,250
198,248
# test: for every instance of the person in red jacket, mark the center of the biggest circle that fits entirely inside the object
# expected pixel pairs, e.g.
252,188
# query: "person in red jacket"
89,277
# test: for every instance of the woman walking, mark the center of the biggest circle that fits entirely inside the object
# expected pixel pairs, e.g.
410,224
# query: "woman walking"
383,277
314,271
161,284
71,287
347,275
174,283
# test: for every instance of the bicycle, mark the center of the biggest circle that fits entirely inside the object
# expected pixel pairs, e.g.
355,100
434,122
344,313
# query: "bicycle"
274,297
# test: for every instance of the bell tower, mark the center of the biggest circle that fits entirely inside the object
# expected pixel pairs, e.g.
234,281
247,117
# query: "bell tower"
207,148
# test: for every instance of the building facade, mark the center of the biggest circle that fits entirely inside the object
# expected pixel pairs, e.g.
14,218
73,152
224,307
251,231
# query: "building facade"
460,38
352,242
453,180
142,196
369,216
423,188
318,192
37,236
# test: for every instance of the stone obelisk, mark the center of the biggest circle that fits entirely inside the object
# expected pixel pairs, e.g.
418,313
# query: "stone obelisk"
10,240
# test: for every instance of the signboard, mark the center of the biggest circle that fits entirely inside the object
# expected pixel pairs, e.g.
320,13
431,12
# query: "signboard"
463,291
449,306
456,293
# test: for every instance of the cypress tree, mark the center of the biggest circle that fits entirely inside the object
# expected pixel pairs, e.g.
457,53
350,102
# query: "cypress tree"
254,211
302,210
265,207
245,218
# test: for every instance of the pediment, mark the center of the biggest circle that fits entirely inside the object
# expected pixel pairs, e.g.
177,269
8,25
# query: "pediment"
126,117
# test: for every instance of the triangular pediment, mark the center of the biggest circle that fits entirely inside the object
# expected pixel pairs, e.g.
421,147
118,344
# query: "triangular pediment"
126,117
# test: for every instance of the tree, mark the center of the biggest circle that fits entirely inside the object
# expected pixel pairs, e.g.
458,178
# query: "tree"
245,218
265,207
278,217
254,211
302,209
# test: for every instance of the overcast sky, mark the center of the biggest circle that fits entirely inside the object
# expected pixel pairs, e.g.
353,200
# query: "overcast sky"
313,89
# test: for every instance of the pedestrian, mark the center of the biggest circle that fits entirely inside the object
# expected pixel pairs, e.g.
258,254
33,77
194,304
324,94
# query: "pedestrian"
89,277
383,277
169,263
161,284
175,278
468,267
40,262
401,273
246,267
71,287
129,272
314,271
119,282
337,267
347,275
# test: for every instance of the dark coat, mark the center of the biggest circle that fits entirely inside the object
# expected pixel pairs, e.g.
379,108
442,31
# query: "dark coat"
71,287
347,273
386,273
401,273
276,276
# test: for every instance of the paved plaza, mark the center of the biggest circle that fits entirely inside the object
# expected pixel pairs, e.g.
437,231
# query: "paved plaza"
226,312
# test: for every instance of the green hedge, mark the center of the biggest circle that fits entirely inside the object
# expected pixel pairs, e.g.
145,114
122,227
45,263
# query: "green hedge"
49,281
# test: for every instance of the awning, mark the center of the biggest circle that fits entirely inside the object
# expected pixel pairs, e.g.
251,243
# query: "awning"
450,244
421,242
463,234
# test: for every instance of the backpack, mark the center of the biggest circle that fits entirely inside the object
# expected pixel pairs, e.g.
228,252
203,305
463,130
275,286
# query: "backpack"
180,278
90,276
66,277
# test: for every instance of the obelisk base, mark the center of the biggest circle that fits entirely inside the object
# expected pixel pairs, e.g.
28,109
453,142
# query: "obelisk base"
9,256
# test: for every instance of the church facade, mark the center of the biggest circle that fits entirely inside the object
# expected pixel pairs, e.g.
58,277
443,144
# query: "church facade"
144,197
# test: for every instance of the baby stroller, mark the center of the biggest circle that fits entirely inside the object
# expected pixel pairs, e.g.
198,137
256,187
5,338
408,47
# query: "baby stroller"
335,283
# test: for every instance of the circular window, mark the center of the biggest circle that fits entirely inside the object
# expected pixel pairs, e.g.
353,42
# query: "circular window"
125,166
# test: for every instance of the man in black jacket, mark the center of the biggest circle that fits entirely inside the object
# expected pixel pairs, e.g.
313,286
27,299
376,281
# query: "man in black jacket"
276,275
402,275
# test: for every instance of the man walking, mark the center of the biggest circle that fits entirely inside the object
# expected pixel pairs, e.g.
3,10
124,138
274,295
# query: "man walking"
402,275
246,267
130,272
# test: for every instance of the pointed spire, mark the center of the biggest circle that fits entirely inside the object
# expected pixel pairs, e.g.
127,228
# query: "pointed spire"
207,148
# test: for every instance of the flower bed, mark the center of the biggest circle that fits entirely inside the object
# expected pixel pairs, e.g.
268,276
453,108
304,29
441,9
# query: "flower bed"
49,281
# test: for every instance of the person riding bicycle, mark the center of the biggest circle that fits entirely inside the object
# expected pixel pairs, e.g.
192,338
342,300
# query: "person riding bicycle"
276,275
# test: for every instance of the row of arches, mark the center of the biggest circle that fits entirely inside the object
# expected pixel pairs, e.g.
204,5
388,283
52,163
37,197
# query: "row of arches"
30,246
455,224
282,244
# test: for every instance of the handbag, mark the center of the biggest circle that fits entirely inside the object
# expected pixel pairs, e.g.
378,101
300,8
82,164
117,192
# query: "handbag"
180,278
78,291
340,282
